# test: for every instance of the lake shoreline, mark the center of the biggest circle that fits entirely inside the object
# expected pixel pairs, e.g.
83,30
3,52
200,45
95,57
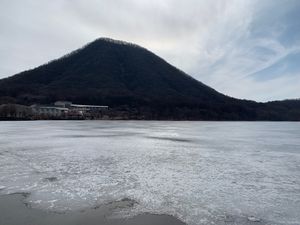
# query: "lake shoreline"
16,211
152,120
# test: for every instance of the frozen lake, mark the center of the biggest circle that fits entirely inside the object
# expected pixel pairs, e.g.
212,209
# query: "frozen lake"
200,172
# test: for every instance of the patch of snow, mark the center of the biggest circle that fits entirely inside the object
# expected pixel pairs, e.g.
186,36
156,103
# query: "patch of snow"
253,219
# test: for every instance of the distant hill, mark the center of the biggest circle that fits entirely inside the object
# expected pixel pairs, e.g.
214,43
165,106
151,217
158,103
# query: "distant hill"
135,82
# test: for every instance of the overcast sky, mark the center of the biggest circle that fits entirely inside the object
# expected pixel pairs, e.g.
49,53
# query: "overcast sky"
243,48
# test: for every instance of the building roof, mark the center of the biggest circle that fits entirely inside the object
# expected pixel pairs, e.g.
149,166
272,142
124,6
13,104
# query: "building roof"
89,106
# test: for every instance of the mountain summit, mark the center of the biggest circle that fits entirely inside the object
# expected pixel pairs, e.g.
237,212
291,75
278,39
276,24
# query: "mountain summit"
130,78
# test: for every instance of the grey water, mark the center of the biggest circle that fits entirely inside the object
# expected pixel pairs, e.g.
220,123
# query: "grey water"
199,172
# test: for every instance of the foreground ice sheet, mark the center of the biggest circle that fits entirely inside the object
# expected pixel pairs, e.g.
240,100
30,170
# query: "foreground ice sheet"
200,172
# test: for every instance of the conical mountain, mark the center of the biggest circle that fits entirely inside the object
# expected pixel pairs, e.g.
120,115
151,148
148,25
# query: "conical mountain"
123,75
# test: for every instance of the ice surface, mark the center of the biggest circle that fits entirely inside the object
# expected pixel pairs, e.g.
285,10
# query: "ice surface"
200,172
